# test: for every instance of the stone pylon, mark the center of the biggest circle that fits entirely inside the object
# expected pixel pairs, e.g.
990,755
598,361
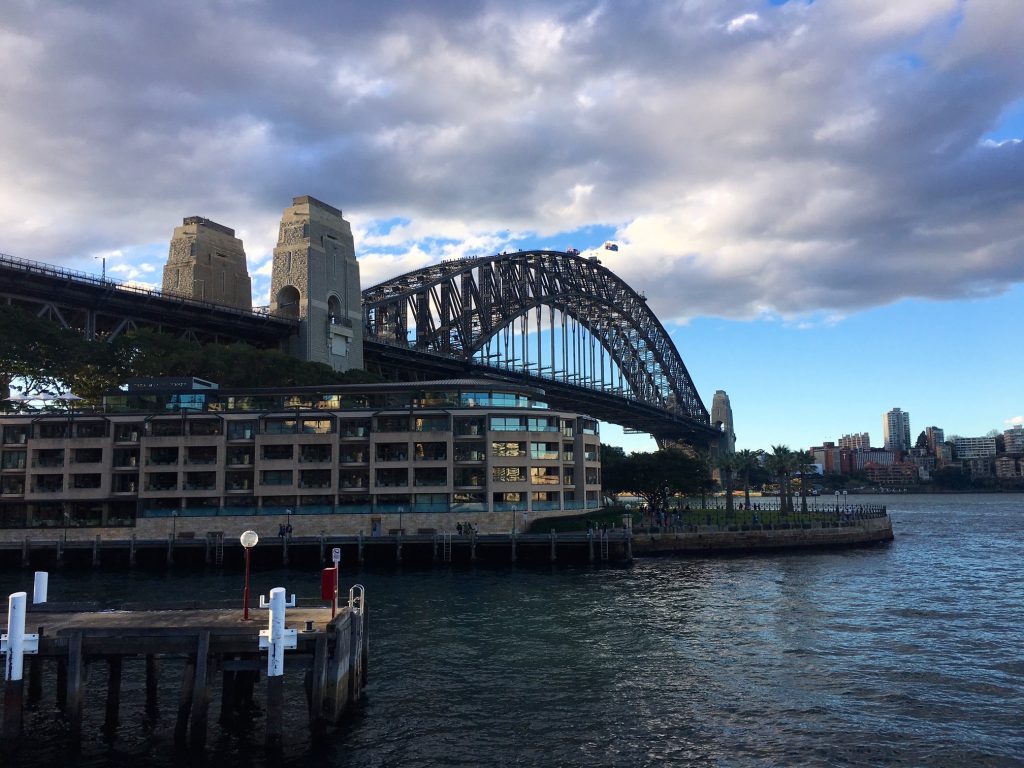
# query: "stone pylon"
316,279
206,261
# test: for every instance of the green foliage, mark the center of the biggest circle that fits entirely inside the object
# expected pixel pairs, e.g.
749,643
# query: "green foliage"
615,472
951,478
42,356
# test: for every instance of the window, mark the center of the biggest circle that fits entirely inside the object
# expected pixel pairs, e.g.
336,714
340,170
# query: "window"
276,477
392,424
278,452
542,424
508,424
317,426
508,474
544,451
392,452
241,430
508,449
430,451
544,475
431,424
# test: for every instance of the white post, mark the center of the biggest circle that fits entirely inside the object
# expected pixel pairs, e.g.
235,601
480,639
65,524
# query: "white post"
275,639
15,643
39,589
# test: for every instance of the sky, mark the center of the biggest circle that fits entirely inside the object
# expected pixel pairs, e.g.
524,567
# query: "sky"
822,201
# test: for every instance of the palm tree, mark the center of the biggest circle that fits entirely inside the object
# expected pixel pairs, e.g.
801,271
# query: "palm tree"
726,464
781,463
803,460
745,462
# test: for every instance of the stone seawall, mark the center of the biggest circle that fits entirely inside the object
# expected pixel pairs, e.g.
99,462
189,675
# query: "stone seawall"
708,540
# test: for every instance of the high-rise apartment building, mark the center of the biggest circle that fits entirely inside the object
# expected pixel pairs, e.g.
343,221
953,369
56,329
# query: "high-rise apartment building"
721,413
935,437
859,441
974,447
896,430
1013,439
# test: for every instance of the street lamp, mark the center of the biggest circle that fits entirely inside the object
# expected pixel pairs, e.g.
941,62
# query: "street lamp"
846,501
174,524
248,539
837,502
103,259
401,510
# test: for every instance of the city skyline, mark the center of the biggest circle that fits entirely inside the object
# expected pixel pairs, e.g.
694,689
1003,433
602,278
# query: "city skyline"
819,201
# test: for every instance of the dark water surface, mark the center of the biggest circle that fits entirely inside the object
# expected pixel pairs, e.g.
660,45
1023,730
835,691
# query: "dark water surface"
905,654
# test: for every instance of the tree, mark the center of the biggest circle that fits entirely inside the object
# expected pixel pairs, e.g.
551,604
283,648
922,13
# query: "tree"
726,465
658,476
746,464
803,461
782,462
922,440
616,476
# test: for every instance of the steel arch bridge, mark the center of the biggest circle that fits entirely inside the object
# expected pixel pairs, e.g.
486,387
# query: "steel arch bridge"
558,320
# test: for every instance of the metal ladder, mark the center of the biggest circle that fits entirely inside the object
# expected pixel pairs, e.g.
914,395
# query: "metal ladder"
446,547
604,545
218,549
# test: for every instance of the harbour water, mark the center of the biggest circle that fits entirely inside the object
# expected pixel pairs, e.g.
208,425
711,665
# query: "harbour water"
910,653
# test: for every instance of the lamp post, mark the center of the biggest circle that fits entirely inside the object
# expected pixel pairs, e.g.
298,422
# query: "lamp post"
103,260
401,510
846,501
837,502
174,524
248,539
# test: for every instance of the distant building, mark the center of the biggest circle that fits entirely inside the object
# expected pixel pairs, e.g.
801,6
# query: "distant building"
896,430
721,413
902,473
207,262
935,437
978,466
943,455
924,460
1013,439
974,447
828,457
1006,467
859,441
879,457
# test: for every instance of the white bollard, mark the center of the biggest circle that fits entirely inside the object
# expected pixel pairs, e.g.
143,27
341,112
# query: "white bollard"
15,643
39,589
275,639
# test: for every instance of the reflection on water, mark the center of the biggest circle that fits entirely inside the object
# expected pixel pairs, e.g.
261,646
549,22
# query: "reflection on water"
909,653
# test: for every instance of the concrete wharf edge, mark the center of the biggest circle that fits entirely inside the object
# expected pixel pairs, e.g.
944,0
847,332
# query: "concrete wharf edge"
703,541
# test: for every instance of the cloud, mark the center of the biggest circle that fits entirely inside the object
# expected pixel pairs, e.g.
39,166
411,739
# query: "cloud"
1014,421
832,157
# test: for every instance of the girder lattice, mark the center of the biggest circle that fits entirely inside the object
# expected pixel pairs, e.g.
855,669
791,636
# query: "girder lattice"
457,308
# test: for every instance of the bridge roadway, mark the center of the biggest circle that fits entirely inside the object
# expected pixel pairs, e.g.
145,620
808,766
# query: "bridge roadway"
103,309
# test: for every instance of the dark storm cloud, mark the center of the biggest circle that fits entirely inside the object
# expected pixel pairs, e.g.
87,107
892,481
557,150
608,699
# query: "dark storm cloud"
754,158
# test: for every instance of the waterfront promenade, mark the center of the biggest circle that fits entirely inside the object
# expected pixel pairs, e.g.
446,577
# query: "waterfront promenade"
705,531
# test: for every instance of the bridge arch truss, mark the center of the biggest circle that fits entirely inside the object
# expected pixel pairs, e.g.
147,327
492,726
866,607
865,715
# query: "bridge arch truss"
550,314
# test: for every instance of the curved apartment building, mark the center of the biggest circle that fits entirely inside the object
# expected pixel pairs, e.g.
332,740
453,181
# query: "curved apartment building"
186,457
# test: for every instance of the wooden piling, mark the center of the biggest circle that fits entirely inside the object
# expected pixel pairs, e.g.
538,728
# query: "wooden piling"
152,685
359,548
62,684
24,553
188,679
513,537
435,548
472,546
398,547
170,549
35,675
96,551
200,693
275,712
323,549
110,719
131,551
554,544
75,688
284,550
14,717
590,545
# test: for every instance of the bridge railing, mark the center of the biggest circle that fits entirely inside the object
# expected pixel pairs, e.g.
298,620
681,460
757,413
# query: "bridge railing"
50,270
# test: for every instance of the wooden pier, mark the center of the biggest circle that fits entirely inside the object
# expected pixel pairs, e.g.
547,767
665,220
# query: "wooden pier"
331,654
